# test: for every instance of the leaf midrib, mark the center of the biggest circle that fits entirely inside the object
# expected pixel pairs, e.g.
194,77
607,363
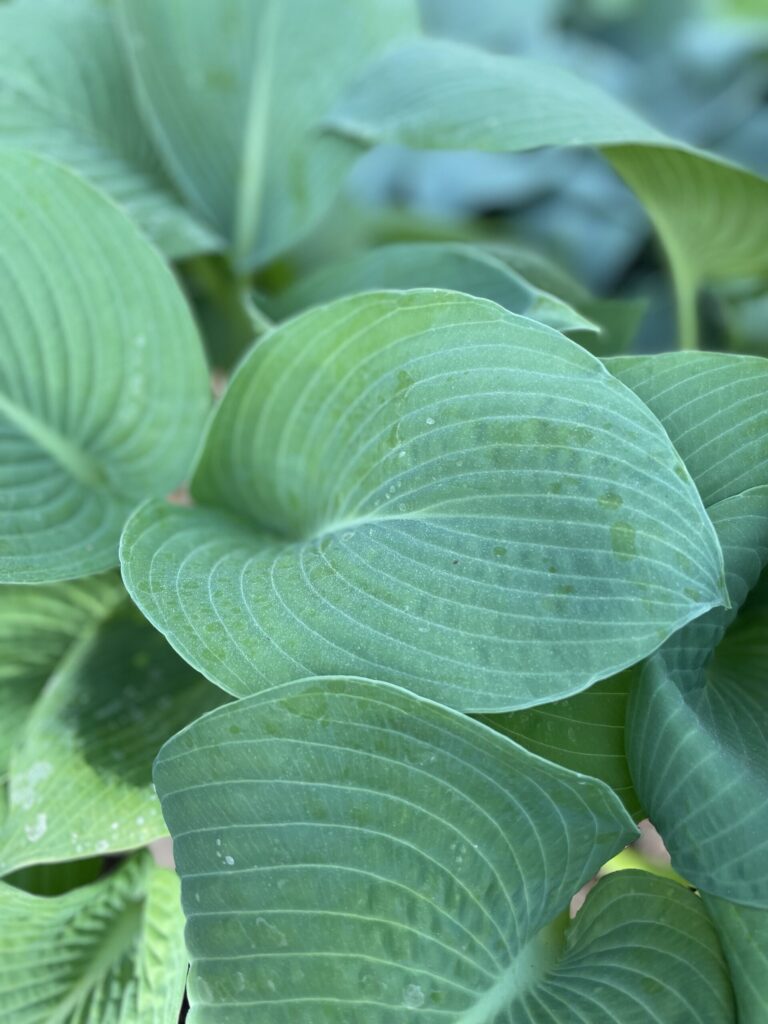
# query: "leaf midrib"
77,462
253,168
117,942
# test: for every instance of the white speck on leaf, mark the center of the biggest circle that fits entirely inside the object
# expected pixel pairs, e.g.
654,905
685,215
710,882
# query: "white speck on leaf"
37,830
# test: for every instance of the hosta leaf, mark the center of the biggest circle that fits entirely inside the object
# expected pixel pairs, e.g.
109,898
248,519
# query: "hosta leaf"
107,953
351,852
80,778
452,265
65,92
744,936
425,487
233,92
37,626
584,733
697,724
713,408
103,387
712,216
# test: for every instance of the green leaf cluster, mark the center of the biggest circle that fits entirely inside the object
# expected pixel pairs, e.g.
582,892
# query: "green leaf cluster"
398,628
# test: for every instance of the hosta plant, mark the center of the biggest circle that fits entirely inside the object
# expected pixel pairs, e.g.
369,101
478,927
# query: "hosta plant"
363,555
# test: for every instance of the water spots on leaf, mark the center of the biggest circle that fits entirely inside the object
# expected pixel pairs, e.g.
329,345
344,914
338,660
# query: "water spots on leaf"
37,829
624,539
413,997
229,860
610,500
24,789
269,935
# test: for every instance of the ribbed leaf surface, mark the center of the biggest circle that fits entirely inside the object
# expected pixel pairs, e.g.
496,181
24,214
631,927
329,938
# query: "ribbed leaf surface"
107,953
233,91
37,626
697,724
80,775
66,93
423,487
103,386
351,852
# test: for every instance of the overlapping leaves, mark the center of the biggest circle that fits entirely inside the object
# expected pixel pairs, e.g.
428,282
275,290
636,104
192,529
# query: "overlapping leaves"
424,487
65,92
710,215
112,693
349,851
229,96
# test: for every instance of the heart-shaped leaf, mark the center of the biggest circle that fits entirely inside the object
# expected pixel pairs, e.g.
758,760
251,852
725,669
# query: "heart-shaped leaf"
423,487
66,93
103,386
351,852
233,92
712,216
80,774
107,953
450,265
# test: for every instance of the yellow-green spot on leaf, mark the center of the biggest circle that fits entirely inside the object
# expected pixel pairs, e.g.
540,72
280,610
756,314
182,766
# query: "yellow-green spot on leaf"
610,500
499,551
623,539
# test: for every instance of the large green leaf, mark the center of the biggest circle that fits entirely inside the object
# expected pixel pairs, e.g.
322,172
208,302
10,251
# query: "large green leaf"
713,407
108,953
65,92
233,91
103,386
37,626
744,935
712,216
697,723
424,487
80,775
451,265
351,852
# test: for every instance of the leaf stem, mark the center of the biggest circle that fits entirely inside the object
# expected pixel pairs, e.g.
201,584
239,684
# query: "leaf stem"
685,301
260,322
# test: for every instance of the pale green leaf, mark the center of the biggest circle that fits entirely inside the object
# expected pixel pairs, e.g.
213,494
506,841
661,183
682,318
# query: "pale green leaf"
107,953
103,386
712,216
713,407
743,933
697,723
65,92
37,626
451,265
233,91
80,776
424,487
351,852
